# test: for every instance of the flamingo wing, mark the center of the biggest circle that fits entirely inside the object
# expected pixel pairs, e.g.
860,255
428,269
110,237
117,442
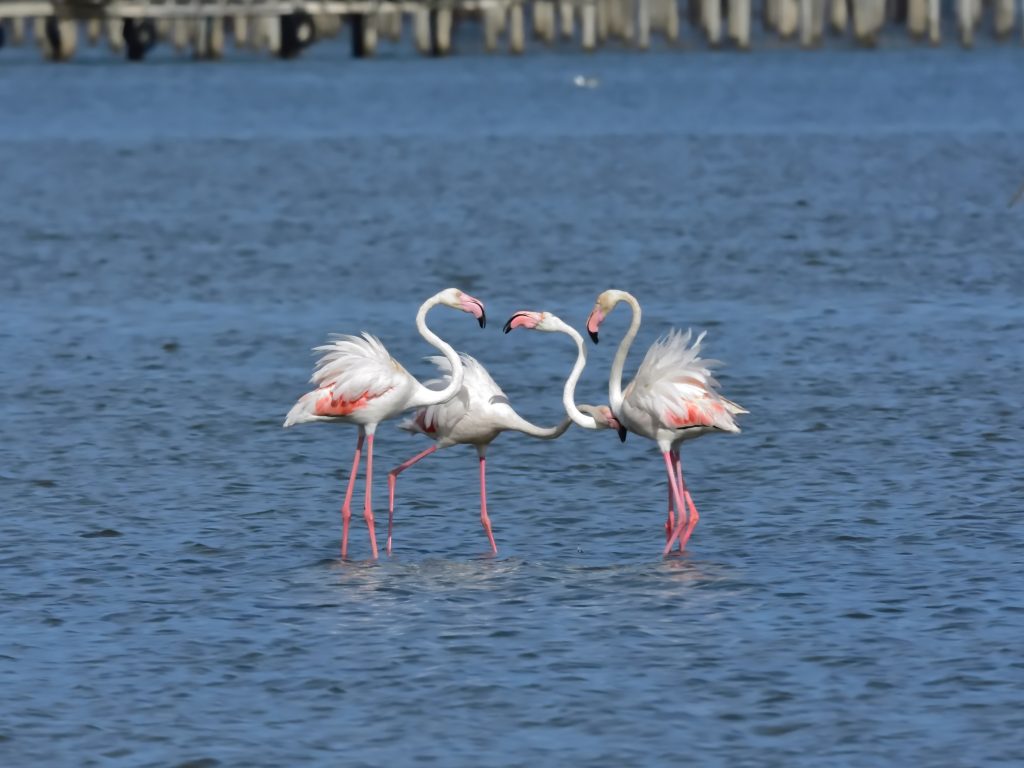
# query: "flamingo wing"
675,384
352,371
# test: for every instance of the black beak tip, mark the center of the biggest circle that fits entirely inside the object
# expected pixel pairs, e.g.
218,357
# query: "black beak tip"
508,325
622,433
482,320
593,336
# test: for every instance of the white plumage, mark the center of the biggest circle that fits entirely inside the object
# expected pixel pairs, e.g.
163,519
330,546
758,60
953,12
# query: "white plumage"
358,382
476,415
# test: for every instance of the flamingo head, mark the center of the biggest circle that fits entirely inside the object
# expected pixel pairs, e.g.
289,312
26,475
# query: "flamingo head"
456,299
605,418
534,321
602,307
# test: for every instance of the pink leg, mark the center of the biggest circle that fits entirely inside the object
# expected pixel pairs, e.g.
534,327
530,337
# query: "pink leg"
679,482
694,515
677,498
671,521
368,511
483,504
346,507
393,480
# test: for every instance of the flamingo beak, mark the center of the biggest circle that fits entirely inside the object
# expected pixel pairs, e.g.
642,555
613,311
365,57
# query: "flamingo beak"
622,433
594,322
475,307
520,320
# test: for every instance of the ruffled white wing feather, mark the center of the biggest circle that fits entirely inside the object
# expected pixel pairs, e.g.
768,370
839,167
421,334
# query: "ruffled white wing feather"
353,366
675,384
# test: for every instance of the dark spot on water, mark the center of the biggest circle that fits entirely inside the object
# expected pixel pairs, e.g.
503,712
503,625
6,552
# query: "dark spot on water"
170,346
44,483
106,533
202,762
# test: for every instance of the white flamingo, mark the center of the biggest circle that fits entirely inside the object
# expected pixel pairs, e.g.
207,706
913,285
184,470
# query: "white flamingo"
672,398
358,382
479,412
586,416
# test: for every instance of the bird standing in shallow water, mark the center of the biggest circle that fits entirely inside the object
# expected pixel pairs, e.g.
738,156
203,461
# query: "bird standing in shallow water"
477,414
358,382
672,398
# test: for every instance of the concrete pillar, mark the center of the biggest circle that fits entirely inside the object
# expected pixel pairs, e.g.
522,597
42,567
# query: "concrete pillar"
588,25
838,16
180,34
17,29
1003,18
643,24
491,23
240,27
739,23
711,11
965,21
516,29
566,14
604,17
917,18
789,18
93,31
935,22
444,31
671,21
421,30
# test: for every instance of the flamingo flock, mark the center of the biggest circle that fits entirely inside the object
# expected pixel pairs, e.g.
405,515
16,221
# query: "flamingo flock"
672,398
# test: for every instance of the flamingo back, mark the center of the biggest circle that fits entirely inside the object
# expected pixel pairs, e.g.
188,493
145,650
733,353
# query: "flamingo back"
478,390
675,386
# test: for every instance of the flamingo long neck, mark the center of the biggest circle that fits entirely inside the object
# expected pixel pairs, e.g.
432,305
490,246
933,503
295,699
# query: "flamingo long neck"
519,424
569,391
615,377
425,396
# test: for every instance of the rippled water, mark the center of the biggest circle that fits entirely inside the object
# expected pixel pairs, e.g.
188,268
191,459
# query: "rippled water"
175,237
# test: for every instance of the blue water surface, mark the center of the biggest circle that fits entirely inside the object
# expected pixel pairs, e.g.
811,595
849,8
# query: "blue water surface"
174,237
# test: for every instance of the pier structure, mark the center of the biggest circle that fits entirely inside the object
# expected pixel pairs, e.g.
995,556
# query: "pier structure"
286,27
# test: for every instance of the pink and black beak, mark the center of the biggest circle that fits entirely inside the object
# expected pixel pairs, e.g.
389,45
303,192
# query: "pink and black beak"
521,320
475,307
622,433
594,322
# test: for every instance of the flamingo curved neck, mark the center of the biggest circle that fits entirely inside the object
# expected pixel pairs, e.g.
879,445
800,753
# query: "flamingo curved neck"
615,377
569,391
519,424
425,396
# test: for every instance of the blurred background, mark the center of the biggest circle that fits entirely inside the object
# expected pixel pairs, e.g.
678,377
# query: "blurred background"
176,234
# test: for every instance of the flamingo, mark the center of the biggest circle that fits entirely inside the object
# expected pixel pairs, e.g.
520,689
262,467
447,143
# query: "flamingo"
478,413
672,398
586,416
358,382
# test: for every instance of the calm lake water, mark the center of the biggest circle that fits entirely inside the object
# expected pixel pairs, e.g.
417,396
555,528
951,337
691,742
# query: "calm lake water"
174,237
